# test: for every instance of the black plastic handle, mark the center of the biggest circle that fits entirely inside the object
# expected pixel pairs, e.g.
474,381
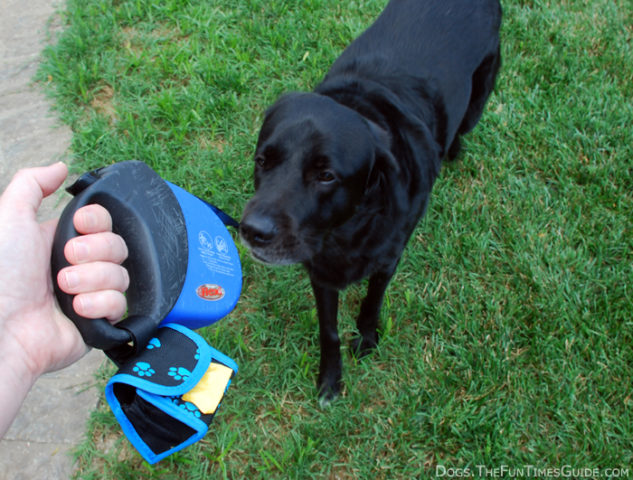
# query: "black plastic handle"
146,213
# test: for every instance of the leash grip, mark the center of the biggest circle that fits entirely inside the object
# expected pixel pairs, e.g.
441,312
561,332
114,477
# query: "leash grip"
147,215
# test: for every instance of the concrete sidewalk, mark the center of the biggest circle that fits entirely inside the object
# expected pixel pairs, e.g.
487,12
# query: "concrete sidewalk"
52,420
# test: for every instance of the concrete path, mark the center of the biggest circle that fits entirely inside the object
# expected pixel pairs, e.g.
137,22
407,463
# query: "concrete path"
52,421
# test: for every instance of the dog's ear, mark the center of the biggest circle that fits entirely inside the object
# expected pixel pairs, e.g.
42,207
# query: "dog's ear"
385,164
379,133
384,169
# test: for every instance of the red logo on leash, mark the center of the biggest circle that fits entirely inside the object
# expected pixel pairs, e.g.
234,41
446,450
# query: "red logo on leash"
211,292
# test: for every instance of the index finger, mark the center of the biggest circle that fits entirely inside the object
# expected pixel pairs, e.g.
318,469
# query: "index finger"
92,219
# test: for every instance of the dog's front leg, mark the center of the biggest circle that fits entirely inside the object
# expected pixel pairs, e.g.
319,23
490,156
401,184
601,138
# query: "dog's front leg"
368,319
329,382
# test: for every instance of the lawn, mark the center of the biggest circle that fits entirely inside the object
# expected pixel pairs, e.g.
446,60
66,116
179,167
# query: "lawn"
507,334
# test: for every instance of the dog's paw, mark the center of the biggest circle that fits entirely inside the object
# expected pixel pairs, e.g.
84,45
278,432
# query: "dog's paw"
326,400
329,390
362,346
327,396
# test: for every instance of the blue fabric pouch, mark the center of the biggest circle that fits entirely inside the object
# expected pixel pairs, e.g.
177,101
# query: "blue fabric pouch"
146,394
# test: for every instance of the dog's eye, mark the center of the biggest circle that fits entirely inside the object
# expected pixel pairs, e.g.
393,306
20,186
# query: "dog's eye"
326,176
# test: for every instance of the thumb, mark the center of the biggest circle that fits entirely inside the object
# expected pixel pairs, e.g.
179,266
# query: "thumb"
29,186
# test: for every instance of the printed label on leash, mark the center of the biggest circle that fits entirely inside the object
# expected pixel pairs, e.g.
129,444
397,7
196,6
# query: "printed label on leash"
210,292
214,253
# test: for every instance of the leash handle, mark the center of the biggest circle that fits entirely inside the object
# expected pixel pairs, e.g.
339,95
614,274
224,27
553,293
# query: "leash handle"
147,215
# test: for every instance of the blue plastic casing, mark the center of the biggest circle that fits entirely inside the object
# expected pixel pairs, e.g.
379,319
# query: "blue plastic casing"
213,282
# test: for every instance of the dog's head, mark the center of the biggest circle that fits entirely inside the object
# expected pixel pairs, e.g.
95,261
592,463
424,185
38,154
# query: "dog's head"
315,162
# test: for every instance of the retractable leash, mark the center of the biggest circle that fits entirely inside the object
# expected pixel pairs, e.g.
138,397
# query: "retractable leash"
185,273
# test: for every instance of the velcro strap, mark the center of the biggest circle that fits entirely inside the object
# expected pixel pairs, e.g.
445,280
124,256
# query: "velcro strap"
146,394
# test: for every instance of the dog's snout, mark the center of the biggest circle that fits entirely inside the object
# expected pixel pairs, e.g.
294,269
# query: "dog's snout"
258,230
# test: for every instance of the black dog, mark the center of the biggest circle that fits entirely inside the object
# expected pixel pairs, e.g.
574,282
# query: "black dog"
342,175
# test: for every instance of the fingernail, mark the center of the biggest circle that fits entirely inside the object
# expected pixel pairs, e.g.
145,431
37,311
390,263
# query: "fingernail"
85,305
80,250
89,220
71,279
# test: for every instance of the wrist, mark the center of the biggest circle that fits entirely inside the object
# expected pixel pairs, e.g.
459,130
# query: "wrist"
13,349
16,376
14,363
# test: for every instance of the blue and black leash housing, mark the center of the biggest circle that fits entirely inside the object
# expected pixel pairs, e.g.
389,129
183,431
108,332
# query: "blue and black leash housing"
185,273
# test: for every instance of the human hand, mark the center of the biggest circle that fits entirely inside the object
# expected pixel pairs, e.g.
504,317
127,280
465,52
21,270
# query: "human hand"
34,334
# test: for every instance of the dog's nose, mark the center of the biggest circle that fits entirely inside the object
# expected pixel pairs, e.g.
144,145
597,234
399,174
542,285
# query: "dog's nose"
258,230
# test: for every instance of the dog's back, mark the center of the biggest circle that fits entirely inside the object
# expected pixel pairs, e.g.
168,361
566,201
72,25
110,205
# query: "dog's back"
441,42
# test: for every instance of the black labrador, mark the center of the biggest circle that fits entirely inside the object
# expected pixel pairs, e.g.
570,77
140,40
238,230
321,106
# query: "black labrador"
343,174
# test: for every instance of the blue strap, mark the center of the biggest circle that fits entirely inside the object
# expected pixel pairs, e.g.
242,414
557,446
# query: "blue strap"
227,219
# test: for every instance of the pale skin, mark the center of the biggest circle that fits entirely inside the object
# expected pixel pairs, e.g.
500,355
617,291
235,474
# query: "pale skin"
35,336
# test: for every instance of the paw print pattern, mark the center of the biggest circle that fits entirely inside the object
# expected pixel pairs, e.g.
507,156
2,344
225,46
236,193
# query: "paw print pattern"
179,373
143,369
186,406
153,343
197,355
190,408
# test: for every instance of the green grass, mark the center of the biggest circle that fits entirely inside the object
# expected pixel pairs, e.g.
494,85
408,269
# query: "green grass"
507,331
